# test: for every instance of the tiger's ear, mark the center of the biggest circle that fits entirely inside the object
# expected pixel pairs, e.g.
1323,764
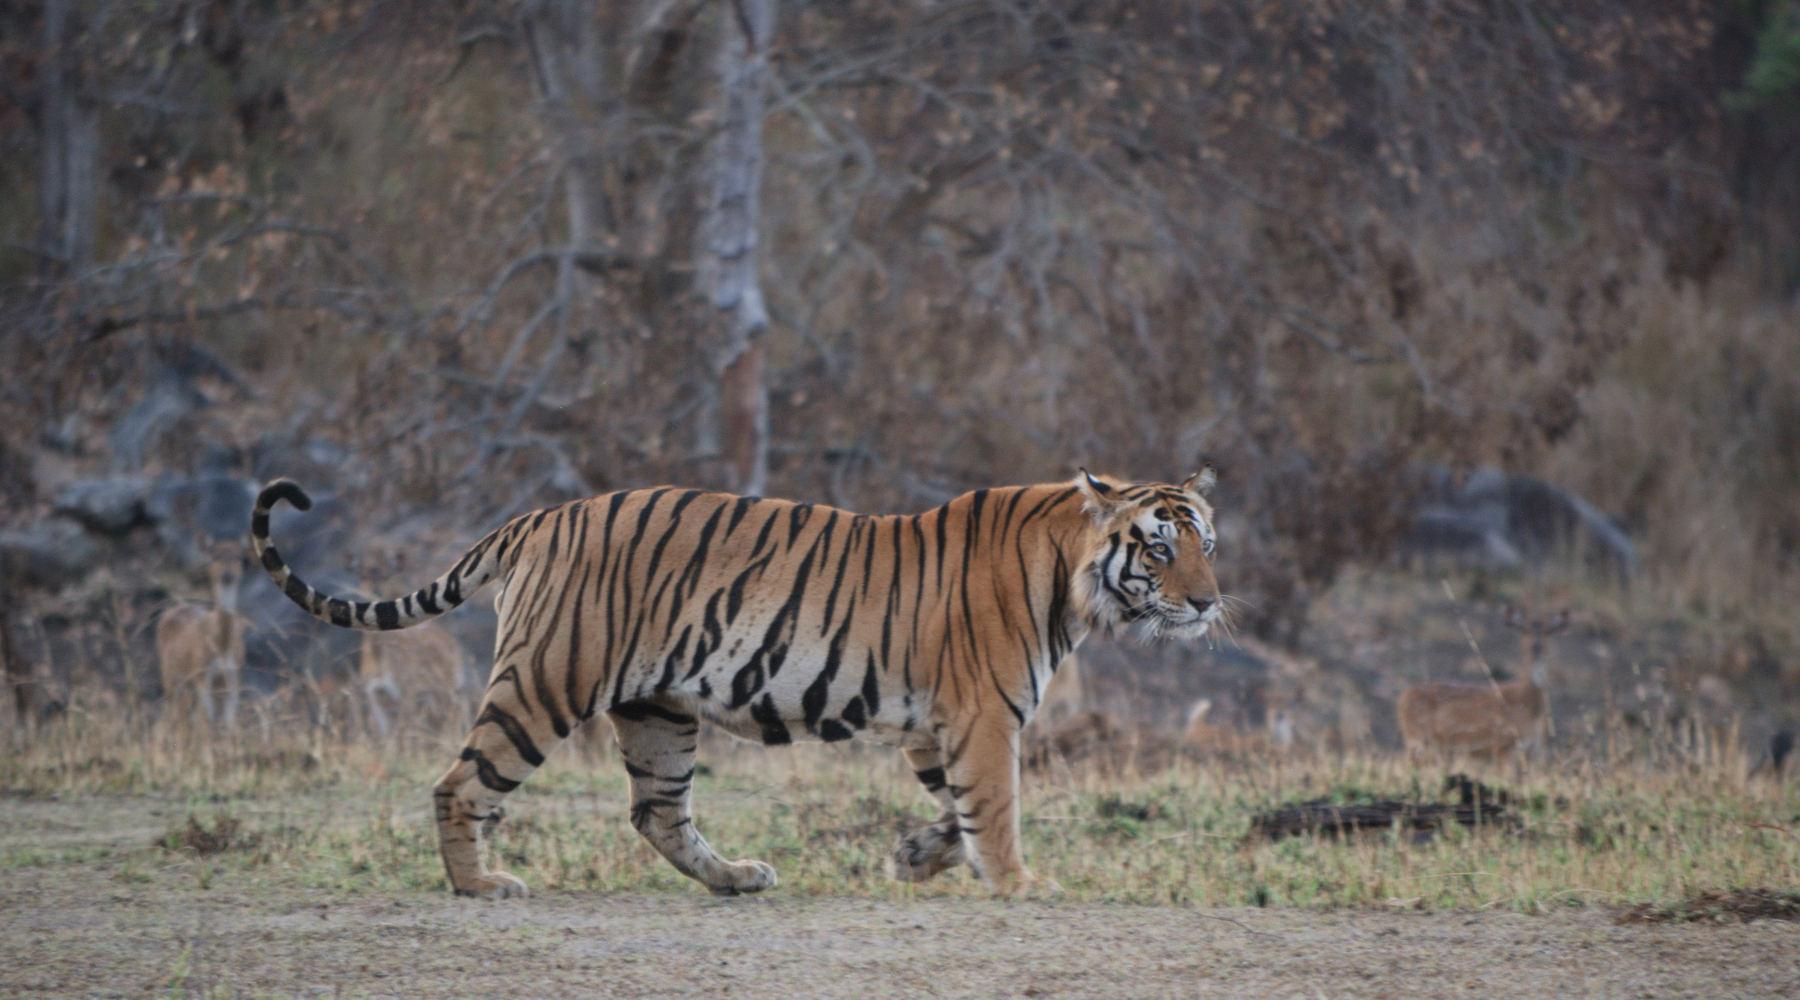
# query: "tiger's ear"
1098,497
1202,482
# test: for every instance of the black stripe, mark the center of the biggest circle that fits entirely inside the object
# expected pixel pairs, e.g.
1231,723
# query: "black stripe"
638,711
1017,714
689,580
711,636
674,516
521,740
871,689
488,774
738,510
837,581
812,701
763,535
571,670
798,515
943,518
774,731
769,657
680,650
1050,501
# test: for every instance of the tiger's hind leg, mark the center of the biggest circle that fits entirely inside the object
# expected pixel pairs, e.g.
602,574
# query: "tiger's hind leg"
938,846
502,751
657,742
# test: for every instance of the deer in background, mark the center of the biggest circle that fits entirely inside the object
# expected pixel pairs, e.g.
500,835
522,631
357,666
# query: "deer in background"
1489,719
1207,736
200,648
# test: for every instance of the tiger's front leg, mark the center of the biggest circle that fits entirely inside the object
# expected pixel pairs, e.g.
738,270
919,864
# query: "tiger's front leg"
658,742
982,768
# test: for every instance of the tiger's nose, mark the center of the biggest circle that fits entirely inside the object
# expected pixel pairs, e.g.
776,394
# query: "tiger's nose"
1201,604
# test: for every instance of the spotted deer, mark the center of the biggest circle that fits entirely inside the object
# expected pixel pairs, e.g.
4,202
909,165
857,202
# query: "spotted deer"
200,649
1489,719
1205,735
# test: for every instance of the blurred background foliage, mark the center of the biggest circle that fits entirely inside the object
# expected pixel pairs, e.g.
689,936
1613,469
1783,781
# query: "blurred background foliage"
445,261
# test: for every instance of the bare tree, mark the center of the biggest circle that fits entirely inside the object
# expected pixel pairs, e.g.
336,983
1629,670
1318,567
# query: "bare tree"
70,145
733,248
630,94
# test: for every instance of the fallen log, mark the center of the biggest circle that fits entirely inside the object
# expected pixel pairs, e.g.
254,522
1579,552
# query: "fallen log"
1478,805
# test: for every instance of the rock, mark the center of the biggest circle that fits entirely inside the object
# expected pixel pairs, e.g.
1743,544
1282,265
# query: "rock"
1492,519
47,553
179,378
168,399
112,505
310,462
192,513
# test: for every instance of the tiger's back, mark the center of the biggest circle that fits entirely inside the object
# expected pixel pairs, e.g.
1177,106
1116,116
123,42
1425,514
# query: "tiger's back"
777,620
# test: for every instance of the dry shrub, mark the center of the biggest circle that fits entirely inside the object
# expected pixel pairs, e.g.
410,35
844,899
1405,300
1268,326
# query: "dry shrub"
1692,433
225,834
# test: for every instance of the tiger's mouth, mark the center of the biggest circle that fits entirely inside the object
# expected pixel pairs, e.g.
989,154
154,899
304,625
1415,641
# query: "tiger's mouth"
1186,629
1157,624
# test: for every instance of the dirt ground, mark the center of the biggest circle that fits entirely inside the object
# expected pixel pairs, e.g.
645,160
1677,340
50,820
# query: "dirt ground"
83,931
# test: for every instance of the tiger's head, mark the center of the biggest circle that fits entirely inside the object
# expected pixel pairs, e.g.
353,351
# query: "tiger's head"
1148,569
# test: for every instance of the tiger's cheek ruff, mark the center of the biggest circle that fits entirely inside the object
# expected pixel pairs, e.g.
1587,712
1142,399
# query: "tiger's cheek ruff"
1119,590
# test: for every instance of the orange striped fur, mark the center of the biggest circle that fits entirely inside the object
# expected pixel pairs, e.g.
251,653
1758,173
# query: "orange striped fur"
937,632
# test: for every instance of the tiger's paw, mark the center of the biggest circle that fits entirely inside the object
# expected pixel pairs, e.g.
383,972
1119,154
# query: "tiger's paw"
744,877
924,853
494,885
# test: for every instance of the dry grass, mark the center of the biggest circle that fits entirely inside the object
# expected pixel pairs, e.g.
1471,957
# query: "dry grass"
287,809
1689,432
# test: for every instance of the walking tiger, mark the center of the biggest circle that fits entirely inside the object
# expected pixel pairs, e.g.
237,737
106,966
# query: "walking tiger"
777,620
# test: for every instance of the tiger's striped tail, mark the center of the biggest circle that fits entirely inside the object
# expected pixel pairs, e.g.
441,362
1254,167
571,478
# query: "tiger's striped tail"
478,565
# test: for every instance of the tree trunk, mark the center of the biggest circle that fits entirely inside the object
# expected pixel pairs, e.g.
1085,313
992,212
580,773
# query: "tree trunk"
563,38
622,131
66,187
17,676
732,247
27,691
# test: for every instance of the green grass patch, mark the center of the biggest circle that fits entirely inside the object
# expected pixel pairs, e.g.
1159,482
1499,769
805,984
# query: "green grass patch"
358,821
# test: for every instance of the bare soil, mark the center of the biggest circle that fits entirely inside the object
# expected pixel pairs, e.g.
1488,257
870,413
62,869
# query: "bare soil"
92,929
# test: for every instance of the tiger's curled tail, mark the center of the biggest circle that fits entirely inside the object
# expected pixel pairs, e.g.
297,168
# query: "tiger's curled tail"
479,565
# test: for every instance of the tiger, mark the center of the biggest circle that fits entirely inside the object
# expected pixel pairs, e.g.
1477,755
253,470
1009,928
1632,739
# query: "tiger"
777,620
